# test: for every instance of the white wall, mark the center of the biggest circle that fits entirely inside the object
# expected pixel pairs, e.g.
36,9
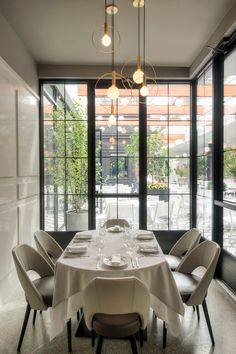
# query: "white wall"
19,170
14,52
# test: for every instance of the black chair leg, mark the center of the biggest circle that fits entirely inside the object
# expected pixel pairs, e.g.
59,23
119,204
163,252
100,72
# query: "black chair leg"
93,338
141,337
99,345
193,308
27,313
164,334
204,305
198,313
34,317
133,344
41,312
69,336
78,315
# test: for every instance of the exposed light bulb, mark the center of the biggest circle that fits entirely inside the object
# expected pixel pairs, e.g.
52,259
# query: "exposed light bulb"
113,92
138,76
112,119
106,40
138,3
144,91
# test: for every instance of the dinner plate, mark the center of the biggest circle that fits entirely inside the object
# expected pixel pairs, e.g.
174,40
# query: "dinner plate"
108,262
115,230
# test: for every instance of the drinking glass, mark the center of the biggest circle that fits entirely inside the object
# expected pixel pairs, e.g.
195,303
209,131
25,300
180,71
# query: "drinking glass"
99,245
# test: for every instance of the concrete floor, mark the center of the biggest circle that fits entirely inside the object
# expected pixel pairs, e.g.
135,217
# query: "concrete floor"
194,337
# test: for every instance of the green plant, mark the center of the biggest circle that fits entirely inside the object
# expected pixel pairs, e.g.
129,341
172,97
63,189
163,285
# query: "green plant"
157,165
182,171
67,137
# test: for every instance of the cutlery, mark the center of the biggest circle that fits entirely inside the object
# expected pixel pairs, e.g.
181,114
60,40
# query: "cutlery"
137,262
132,262
73,255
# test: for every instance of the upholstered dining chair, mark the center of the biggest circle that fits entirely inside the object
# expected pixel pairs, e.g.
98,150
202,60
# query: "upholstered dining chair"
116,308
193,288
182,247
47,247
113,222
38,292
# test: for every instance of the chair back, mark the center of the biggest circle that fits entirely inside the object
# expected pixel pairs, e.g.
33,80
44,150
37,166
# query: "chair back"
186,243
27,258
47,247
205,255
113,222
116,296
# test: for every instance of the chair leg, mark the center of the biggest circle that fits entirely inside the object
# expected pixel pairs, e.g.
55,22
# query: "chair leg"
93,337
34,317
69,336
141,337
133,344
99,345
193,308
41,312
204,305
27,313
78,315
198,313
164,334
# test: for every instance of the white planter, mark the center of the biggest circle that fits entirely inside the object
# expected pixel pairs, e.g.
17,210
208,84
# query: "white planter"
77,221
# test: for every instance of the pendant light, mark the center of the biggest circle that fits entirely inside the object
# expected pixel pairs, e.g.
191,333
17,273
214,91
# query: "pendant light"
144,91
138,74
113,91
106,39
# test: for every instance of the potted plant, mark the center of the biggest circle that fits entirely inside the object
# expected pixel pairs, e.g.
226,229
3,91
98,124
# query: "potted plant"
69,170
160,188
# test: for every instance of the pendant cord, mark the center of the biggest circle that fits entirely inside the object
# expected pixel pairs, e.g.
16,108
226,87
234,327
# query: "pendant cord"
138,31
105,11
144,38
113,39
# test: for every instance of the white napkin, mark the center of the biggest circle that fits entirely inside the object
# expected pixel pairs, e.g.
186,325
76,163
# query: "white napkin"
115,260
83,235
145,235
148,248
77,248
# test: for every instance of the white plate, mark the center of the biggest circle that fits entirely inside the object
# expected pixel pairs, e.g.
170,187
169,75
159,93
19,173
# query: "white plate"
113,229
108,262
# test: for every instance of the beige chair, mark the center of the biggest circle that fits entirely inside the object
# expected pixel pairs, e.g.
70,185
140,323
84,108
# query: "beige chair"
192,288
47,247
182,247
39,292
113,222
116,308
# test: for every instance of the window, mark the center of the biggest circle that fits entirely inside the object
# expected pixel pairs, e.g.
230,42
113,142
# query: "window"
119,174
229,151
204,153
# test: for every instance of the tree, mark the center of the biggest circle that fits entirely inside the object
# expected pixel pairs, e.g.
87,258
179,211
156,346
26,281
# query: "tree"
67,140
157,165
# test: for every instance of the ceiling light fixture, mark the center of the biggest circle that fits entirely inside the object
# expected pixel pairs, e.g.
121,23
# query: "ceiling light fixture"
106,39
138,3
138,74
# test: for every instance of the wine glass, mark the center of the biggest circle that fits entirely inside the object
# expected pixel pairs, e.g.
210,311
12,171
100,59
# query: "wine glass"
99,245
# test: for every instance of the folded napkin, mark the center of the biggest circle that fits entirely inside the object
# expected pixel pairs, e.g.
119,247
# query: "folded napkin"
77,248
83,235
116,228
148,248
115,260
145,235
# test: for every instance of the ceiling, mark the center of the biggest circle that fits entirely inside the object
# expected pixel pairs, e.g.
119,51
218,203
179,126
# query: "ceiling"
60,31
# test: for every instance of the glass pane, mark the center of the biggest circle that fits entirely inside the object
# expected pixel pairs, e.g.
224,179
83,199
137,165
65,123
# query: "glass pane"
230,176
54,139
179,102
53,98
179,180
157,139
54,175
77,213
77,176
201,173
128,138
76,102
200,214
229,221
179,138
157,175
121,208
77,139
161,216
179,212
54,212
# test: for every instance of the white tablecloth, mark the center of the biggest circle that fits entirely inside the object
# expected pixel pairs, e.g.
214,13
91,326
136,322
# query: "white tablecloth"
73,274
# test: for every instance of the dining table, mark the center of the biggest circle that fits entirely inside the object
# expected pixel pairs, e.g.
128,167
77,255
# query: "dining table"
138,255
